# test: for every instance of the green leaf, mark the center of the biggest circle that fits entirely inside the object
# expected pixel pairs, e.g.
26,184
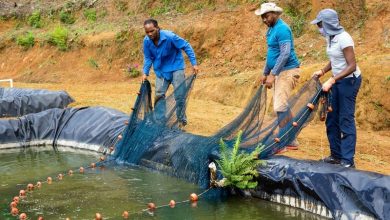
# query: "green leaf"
251,185
242,184
239,167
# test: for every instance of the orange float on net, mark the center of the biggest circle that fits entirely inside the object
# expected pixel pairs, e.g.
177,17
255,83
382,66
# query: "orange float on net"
49,180
310,106
172,203
16,199
70,172
81,169
39,184
330,109
151,206
120,137
295,124
93,165
277,140
40,218
60,176
102,158
125,215
126,122
30,187
67,219
23,216
111,149
22,193
14,211
13,204
193,197
98,216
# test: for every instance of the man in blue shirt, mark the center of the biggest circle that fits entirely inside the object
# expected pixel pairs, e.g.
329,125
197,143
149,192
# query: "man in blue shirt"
281,71
163,50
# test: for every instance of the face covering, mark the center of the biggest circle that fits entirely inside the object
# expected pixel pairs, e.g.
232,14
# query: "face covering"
322,31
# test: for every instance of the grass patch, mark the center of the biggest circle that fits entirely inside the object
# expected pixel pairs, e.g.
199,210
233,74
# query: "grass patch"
26,41
93,63
121,5
67,17
90,15
35,20
298,19
59,38
122,36
132,71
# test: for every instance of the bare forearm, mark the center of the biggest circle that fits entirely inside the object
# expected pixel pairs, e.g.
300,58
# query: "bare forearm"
327,68
347,71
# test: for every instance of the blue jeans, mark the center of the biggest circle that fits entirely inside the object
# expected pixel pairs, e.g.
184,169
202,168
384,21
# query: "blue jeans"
340,123
162,85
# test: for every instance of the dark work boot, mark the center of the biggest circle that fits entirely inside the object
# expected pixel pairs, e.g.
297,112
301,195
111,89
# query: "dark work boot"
347,164
330,159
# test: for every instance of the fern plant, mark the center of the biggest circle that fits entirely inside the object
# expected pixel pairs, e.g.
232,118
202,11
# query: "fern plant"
237,167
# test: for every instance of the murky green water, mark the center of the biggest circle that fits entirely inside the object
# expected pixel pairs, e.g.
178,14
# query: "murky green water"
112,190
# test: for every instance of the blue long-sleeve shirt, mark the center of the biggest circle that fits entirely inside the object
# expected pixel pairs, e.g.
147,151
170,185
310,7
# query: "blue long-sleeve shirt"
166,57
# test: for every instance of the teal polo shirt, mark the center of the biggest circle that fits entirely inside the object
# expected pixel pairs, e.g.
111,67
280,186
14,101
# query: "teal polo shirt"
278,34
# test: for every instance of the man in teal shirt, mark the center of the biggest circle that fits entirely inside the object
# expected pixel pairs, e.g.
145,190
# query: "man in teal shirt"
281,71
163,51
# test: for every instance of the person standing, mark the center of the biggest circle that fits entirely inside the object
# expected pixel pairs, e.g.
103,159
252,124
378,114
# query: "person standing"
163,51
344,85
281,71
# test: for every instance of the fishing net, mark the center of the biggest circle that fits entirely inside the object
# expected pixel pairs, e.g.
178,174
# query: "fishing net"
153,137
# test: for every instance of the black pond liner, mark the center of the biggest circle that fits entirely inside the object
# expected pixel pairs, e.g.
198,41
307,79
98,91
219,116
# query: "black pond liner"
320,188
16,102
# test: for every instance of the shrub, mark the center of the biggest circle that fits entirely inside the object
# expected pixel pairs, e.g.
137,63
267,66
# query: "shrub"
239,168
59,38
298,20
67,17
26,40
35,20
90,15
122,36
132,71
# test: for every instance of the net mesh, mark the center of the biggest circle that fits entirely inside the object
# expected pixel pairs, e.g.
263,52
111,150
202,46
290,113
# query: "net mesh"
153,137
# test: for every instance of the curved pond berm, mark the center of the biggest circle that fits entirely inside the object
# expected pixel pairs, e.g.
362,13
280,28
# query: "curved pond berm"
16,102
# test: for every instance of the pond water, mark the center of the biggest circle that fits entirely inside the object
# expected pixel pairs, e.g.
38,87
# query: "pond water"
112,190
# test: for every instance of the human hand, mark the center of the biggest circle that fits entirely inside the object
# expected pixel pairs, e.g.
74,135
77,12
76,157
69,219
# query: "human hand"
317,74
328,84
195,69
270,79
144,77
263,79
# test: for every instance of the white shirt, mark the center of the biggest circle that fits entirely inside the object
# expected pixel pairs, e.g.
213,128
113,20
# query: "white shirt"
334,49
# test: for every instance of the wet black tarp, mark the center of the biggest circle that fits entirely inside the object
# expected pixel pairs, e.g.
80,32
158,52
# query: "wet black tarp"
17,102
79,126
345,192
